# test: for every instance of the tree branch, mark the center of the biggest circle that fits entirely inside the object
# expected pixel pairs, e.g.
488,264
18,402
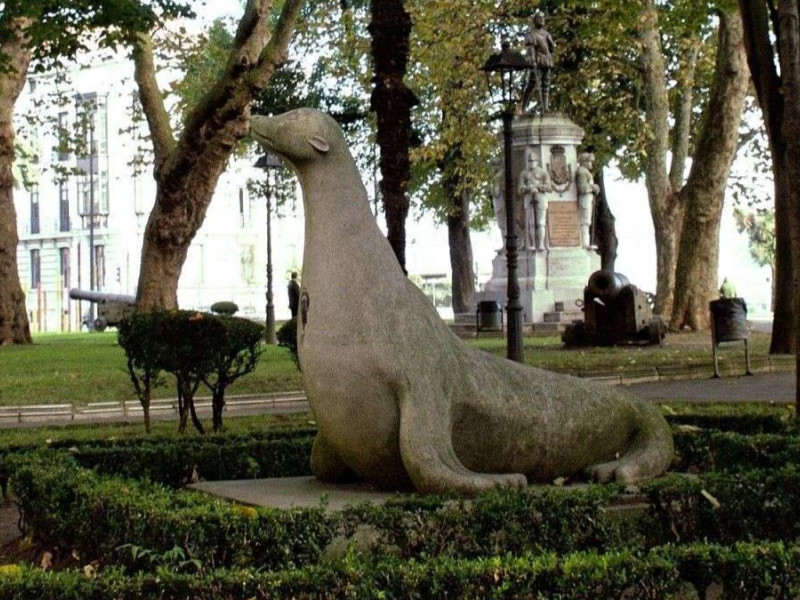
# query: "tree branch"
222,114
683,118
152,100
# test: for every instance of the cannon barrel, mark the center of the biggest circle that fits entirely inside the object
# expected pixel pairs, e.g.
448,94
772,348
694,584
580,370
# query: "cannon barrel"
606,284
91,296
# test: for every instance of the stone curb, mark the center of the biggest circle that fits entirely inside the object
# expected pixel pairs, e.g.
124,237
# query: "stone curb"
701,371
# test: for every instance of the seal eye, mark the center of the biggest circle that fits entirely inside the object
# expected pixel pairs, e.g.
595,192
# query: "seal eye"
319,144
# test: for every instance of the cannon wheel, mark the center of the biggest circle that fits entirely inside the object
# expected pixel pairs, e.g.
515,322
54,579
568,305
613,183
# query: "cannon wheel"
574,334
100,324
656,331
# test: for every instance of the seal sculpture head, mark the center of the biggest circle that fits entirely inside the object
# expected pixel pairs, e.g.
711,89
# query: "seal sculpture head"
399,400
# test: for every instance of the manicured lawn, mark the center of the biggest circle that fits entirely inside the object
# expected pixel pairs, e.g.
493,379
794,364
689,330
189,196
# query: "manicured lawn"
90,367
679,350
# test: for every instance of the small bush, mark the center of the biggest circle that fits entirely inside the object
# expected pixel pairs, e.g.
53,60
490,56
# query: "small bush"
287,338
225,307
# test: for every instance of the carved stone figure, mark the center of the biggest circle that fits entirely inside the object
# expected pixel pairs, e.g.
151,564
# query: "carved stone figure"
399,400
498,199
534,183
587,189
539,47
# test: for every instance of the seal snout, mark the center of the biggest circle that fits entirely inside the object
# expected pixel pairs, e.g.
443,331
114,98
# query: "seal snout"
262,130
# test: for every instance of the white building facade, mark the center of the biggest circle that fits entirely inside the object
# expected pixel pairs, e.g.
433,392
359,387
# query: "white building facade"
83,207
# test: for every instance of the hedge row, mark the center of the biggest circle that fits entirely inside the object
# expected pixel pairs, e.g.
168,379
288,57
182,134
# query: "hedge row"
745,571
68,507
729,451
174,461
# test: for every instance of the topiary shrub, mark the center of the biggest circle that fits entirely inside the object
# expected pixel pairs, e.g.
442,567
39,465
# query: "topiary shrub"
225,307
287,338
197,348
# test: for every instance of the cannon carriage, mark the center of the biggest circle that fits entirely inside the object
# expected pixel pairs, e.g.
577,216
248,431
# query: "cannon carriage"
615,312
111,308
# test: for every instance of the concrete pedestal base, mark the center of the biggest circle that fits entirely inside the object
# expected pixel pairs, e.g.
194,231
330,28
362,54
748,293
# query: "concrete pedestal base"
545,277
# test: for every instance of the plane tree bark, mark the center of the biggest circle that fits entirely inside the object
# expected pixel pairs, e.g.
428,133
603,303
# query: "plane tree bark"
14,326
778,94
186,169
698,202
704,192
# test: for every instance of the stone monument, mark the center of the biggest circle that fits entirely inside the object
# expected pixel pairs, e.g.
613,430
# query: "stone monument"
399,400
556,257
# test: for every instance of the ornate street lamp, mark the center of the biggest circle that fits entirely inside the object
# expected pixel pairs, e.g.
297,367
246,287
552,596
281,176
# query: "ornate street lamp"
266,162
506,75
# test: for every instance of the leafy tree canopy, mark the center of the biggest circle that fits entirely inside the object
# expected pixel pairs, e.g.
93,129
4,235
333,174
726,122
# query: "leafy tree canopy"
58,29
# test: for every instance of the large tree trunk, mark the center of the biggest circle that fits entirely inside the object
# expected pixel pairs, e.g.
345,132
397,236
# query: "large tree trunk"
14,327
463,277
391,102
789,53
187,170
665,206
704,192
771,98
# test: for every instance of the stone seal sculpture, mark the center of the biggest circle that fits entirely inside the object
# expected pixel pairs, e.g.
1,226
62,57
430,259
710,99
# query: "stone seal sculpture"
399,400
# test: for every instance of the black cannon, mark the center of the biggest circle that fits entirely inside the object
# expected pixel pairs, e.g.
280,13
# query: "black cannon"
111,308
615,312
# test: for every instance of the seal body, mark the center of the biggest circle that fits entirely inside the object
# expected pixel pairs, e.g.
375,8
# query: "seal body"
399,400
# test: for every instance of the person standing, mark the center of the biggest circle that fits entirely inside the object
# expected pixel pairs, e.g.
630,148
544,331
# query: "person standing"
294,294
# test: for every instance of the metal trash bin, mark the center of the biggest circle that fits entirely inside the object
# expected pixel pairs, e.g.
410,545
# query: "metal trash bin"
729,324
488,316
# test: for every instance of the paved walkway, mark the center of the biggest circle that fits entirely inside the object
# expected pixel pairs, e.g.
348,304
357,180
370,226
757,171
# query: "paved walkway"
763,387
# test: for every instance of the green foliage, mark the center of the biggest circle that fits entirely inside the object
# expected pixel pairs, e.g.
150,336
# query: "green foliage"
747,571
287,338
61,30
760,229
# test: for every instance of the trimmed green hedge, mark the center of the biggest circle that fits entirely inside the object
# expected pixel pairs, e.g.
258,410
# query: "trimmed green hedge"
729,451
69,507
174,461
745,571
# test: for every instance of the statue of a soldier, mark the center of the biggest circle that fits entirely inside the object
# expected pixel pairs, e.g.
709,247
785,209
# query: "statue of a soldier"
539,48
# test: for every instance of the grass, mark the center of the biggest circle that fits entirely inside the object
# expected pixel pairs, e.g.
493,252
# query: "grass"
679,351
90,367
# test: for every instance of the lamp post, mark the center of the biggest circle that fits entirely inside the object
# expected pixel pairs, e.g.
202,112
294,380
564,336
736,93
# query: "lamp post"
510,68
266,162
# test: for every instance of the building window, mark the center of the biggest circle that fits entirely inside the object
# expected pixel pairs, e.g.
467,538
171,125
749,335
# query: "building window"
99,267
63,204
36,269
35,224
63,137
65,270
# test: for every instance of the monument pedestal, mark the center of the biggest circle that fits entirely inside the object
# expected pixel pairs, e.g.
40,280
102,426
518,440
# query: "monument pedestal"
557,268
545,277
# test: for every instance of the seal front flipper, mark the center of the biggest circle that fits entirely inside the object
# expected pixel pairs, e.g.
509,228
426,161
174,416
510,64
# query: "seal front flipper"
326,464
426,447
